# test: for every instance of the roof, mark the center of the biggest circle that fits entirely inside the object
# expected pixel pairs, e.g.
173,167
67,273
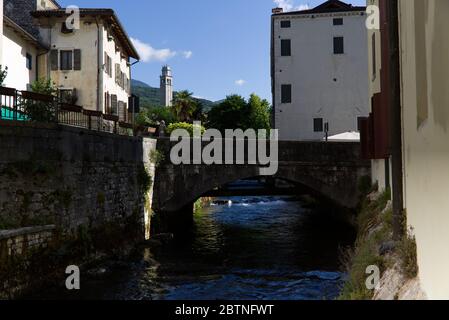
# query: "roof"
21,31
329,6
346,136
106,14
19,12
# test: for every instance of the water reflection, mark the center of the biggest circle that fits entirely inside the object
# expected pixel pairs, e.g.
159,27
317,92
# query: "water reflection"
239,248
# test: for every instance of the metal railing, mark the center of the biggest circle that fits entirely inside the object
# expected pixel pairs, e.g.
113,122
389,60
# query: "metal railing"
19,105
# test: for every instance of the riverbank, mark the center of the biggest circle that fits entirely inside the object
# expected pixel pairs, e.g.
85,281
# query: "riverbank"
375,250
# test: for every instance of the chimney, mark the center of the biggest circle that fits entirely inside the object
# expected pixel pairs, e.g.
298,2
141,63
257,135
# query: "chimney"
277,10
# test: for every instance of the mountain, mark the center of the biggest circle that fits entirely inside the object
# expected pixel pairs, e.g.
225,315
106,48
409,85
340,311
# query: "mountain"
149,96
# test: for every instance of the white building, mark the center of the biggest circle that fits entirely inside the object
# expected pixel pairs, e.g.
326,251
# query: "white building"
319,70
20,41
91,65
166,88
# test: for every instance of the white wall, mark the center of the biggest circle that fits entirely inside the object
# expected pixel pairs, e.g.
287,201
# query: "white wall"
109,84
84,80
312,69
1,29
425,70
14,57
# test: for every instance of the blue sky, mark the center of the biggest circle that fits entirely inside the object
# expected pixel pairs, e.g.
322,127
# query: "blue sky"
215,47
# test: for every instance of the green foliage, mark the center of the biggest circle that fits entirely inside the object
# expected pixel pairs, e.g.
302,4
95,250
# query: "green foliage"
156,157
3,74
236,113
408,255
365,185
375,229
184,106
150,97
152,116
41,111
183,125
259,113
144,179
44,86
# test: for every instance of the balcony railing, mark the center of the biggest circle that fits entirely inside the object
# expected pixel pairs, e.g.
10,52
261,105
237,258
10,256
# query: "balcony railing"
30,106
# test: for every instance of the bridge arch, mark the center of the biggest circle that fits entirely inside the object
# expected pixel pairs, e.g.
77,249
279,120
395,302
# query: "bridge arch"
331,170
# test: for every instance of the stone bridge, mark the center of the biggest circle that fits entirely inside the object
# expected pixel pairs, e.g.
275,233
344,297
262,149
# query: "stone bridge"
330,170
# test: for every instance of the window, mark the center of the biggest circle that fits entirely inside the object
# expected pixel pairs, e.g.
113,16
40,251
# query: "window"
114,104
68,96
286,48
29,58
338,21
318,125
66,60
108,65
339,45
360,123
285,24
286,93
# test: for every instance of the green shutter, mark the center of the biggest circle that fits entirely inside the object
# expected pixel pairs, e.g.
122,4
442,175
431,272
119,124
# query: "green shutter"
54,60
77,59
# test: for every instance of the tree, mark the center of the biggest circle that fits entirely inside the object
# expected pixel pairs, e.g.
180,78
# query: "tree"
152,116
236,113
3,74
184,106
229,114
259,113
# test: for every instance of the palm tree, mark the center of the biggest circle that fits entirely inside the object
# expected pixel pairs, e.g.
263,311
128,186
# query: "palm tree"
184,105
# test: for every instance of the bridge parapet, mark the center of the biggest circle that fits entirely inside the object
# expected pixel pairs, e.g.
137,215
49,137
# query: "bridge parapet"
331,170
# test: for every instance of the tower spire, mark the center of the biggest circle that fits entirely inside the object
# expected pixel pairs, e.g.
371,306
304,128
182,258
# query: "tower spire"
166,89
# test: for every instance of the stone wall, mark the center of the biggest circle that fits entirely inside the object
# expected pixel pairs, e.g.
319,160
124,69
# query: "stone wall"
65,187
71,177
20,241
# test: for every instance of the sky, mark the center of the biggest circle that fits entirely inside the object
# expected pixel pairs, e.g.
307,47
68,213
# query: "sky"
215,47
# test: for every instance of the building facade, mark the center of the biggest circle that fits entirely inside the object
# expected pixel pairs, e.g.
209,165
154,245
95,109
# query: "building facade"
319,70
20,43
90,63
166,88
424,128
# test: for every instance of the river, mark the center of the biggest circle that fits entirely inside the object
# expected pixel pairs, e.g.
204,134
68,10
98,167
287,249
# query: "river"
264,248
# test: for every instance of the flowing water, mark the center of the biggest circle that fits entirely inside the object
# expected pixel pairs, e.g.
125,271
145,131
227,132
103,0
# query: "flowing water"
239,248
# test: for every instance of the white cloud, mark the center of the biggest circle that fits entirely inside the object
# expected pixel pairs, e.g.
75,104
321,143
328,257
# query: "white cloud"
187,54
240,82
288,5
149,54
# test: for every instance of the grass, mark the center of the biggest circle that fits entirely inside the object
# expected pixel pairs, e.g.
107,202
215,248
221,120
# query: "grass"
375,228
407,252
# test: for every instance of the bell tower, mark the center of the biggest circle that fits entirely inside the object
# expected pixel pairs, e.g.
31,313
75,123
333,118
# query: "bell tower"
166,89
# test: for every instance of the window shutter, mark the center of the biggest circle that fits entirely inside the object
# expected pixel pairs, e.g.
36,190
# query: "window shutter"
77,59
54,59
114,104
105,63
117,73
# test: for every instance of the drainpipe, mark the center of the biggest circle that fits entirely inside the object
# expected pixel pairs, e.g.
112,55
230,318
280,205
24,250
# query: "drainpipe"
396,120
133,100
99,64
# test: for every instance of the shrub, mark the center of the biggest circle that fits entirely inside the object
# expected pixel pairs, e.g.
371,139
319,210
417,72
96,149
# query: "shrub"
3,74
183,125
156,157
41,111
408,255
